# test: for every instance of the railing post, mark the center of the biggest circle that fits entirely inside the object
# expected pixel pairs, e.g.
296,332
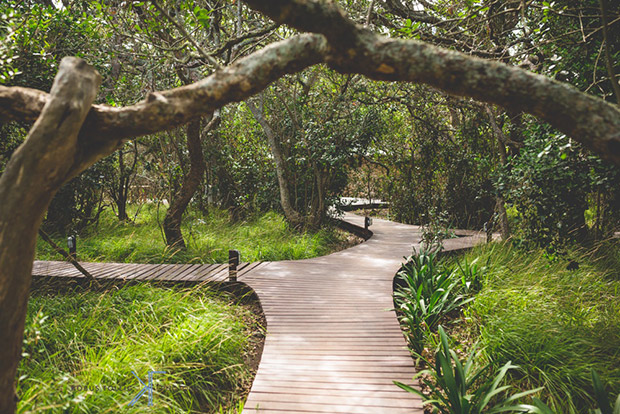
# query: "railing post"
72,245
233,261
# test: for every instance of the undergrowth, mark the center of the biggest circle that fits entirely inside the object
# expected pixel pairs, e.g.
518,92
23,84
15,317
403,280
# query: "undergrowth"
208,238
555,318
556,324
81,346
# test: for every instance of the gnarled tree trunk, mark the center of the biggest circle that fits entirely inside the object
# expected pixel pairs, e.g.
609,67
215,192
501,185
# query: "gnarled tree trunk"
191,181
174,215
34,174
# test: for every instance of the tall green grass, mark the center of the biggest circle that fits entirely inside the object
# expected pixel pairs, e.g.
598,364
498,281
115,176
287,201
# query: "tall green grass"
80,348
208,239
556,324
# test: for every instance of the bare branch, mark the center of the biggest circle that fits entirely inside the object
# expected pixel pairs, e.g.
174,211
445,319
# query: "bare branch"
187,36
608,60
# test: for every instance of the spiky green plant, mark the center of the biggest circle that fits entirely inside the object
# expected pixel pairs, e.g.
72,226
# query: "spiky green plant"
458,388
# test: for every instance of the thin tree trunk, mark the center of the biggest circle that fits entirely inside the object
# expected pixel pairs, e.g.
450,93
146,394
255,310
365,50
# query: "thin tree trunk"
500,208
34,174
500,203
291,214
121,200
318,213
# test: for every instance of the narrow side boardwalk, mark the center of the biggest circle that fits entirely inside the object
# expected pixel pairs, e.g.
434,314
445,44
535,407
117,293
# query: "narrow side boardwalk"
128,271
333,343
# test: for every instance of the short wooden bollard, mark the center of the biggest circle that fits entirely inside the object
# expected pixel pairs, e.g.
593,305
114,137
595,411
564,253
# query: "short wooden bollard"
367,222
233,262
72,245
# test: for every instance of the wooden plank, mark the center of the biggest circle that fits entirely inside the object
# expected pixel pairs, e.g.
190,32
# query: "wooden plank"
252,268
204,271
220,274
191,274
181,271
116,270
214,271
351,399
342,407
164,272
146,272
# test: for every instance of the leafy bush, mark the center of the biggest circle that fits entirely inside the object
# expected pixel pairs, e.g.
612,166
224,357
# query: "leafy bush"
551,184
458,388
427,294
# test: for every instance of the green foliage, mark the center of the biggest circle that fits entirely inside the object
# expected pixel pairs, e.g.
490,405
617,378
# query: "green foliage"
602,399
265,237
556,324
471,274
458,388
36,36
427,293
241,175
322,132
548,183
440,158
78,344
8,52
79,202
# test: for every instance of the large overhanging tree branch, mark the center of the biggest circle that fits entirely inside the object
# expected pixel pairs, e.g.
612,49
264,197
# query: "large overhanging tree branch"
349,49
106,128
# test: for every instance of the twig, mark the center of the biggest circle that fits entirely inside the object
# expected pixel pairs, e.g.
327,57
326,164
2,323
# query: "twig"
181,29
69,257
608,61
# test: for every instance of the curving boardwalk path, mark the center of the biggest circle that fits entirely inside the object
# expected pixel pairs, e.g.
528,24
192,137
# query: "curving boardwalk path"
333,345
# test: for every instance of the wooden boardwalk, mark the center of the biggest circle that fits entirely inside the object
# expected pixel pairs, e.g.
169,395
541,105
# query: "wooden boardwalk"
127,271
333,343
